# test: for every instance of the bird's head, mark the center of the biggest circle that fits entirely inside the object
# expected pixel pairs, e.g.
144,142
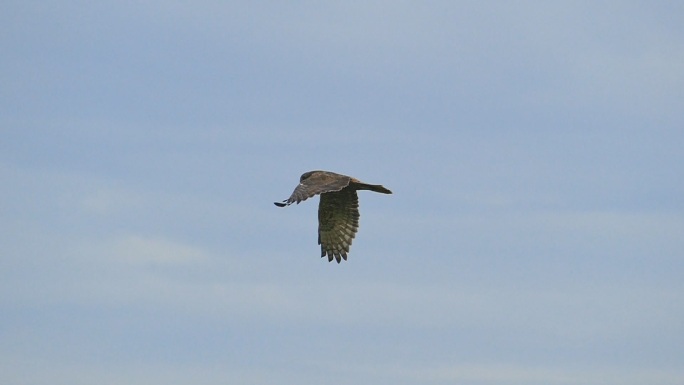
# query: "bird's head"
306,176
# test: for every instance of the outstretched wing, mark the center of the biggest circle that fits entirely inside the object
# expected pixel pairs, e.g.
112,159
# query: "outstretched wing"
338,221
314,183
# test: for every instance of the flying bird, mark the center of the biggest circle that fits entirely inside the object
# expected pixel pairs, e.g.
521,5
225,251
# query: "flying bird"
338,209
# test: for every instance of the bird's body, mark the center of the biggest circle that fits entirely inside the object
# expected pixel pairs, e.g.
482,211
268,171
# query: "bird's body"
338,210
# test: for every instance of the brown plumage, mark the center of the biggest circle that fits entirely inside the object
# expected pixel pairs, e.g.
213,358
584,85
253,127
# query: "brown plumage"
338,210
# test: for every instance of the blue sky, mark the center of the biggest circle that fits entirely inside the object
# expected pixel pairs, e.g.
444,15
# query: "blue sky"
535,234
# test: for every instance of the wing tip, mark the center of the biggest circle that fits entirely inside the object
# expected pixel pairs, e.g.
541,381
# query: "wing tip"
332,256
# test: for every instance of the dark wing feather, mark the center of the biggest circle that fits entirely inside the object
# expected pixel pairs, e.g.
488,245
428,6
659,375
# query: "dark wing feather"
338,222
318,182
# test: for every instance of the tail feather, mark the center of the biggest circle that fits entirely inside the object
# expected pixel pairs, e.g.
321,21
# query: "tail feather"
373,187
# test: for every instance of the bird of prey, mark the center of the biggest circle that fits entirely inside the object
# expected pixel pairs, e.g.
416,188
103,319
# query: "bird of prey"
338,210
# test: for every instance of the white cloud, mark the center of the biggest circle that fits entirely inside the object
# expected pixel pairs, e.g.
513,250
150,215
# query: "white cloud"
138,250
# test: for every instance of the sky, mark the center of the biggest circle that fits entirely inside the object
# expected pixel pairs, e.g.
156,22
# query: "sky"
535,234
